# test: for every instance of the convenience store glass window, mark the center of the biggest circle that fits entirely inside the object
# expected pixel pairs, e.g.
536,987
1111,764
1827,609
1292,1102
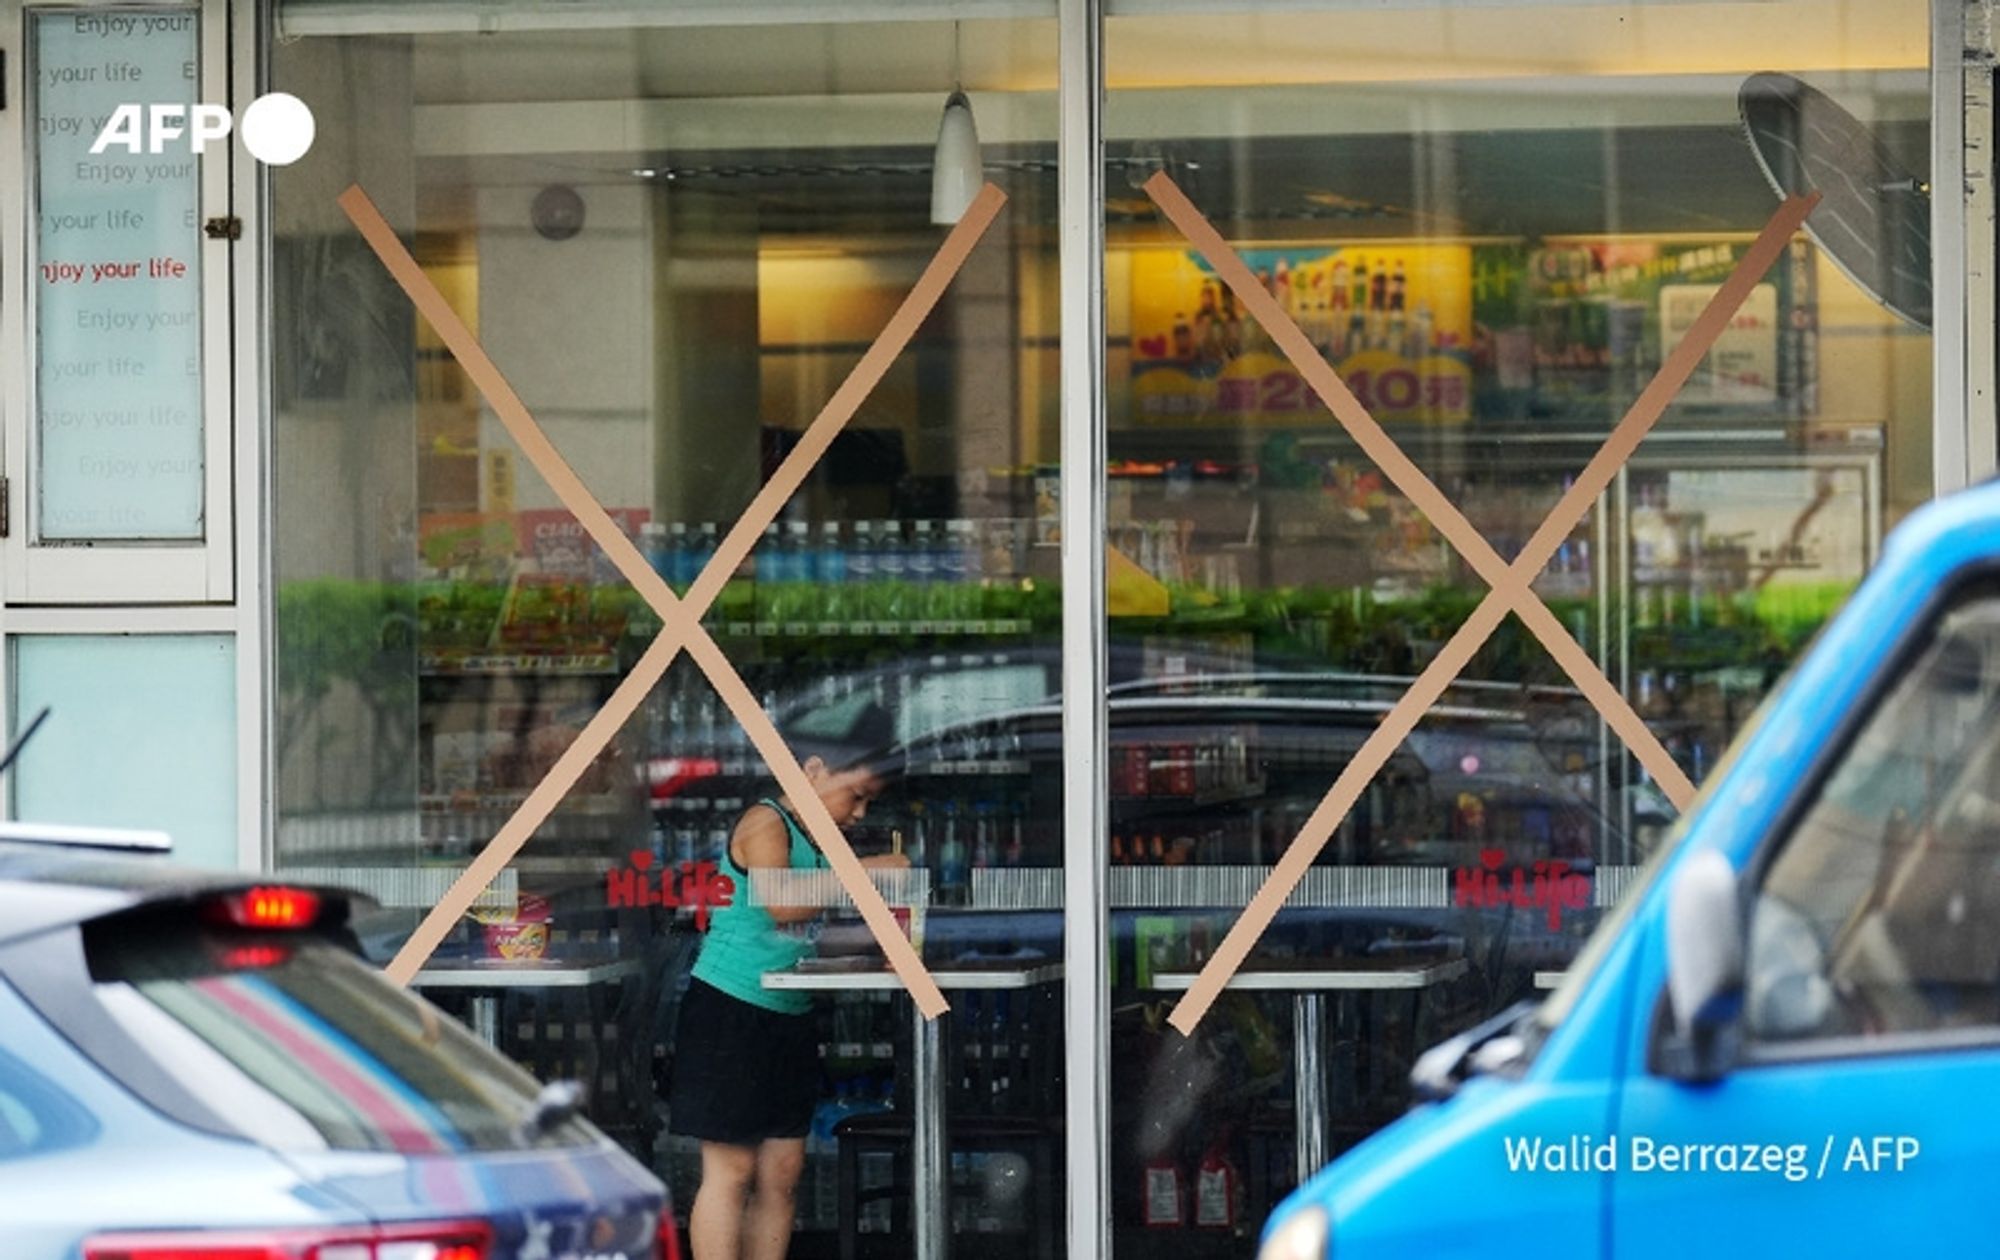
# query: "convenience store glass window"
676,241
1493,223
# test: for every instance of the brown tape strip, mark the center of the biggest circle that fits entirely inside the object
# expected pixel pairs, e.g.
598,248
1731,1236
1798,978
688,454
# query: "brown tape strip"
1512,592
1603,467
887,347
681,621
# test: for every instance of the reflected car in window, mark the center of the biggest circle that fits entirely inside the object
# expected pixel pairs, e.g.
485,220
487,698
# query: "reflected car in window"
201,1065
1211,774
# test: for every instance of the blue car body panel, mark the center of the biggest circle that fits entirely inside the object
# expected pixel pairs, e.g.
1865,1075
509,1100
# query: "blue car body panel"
1439,1182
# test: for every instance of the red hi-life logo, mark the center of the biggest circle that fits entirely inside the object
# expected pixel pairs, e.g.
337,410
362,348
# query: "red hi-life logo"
701,887
1550,886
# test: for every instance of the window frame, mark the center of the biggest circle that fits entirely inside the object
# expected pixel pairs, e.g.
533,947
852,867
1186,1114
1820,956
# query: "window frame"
115,571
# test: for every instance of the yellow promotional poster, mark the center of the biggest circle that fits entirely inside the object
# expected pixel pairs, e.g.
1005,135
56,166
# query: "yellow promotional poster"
1395,321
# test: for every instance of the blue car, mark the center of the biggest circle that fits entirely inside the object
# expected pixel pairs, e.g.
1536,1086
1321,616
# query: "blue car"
196,1065
1786,1040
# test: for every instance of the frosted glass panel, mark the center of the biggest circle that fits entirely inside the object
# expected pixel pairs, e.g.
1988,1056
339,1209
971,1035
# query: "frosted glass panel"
141,733
117,281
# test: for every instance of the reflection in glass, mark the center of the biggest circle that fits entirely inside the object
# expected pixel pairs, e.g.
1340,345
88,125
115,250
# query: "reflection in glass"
1496,273
677,242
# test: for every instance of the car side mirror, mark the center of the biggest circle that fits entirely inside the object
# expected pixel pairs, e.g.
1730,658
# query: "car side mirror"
1704,968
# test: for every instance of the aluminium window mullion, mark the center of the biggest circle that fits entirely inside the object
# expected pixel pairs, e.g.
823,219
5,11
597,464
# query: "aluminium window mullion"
1086,902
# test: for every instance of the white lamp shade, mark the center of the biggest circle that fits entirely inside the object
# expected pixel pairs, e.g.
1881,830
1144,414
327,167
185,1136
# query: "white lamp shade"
956,175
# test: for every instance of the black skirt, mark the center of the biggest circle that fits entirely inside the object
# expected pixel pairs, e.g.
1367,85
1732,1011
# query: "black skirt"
742,1073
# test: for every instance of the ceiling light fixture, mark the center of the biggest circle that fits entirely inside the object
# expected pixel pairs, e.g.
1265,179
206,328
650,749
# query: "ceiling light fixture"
956,173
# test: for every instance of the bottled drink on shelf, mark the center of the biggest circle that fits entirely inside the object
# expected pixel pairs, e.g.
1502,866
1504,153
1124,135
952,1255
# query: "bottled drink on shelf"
829,574
669,736
653,545
891,572
964,565
697,738
920,562
701,550
796,585
952,871
830,561
984,854
861,572
681,553
769,576
687,836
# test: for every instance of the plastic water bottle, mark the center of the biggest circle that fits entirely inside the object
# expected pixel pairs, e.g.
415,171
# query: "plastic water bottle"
770,577
796,601
951,571
704,550
680,569
921,563
983,847
952,874
829,573
861,573
892,572
654,546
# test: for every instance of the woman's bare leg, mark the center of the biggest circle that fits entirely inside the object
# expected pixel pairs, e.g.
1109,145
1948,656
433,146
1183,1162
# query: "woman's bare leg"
767,1228
715,1223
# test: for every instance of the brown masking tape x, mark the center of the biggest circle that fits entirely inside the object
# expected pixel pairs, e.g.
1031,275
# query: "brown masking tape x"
1419,489
1510,587
681,620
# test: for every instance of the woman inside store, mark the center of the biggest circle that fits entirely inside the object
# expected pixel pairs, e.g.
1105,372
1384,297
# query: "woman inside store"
746,1076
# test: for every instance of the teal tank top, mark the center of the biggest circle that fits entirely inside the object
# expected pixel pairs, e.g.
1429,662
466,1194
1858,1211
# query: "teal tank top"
744,942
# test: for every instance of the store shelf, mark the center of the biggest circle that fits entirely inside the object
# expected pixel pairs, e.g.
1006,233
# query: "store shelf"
1211,796
456,803
970,769
510,664
875,629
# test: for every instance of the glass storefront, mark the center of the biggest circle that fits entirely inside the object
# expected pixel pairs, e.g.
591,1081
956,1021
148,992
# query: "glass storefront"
684,241
684,248
1495,227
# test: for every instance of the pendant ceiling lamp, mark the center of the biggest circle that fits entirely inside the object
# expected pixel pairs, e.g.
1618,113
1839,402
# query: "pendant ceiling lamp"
956,174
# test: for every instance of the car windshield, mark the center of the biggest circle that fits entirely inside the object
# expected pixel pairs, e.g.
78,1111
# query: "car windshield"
299,1045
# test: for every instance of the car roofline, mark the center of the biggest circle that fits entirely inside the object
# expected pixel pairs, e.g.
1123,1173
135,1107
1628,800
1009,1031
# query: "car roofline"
59,834
47,888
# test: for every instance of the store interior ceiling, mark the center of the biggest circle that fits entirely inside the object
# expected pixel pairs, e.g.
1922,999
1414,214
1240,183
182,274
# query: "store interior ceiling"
1508,184
1435,120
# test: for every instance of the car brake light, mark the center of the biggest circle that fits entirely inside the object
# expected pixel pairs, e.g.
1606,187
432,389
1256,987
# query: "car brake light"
455,1240
670,1238
266,906
254,957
